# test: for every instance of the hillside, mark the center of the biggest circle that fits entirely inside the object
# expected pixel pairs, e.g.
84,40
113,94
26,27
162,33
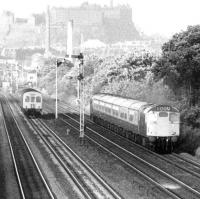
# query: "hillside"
23,35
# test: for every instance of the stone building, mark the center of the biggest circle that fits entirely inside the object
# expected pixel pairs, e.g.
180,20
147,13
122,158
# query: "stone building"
108,24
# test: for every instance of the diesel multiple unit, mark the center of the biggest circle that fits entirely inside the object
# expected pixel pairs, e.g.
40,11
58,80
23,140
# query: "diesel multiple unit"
31,101
152,125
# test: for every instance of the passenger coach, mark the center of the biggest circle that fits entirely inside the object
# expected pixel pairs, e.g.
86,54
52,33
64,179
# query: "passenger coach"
155,126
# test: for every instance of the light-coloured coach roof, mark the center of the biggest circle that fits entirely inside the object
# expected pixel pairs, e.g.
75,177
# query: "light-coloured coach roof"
26,90
131,103
119,101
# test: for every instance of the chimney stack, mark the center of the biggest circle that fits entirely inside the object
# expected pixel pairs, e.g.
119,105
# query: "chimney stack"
111,3
70,37
47,37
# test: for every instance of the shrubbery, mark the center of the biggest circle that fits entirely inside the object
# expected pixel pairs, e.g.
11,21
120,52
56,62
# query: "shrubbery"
191,117
125,76
190,133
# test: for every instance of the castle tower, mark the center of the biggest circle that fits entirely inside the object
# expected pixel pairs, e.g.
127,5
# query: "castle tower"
111,3
70,37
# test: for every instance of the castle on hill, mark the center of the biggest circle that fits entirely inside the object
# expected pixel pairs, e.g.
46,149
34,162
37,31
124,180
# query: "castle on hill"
109,24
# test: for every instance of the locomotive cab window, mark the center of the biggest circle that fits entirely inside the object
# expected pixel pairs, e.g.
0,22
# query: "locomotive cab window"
174,117
163,114
32,99
38,99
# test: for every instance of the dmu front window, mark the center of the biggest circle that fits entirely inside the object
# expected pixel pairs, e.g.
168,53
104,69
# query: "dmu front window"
32,99
38,99
27,99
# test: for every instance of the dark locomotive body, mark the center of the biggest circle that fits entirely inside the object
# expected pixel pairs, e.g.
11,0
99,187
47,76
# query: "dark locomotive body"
154,126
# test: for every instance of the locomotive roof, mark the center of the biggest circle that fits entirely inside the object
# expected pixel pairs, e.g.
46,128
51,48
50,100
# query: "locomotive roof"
25,90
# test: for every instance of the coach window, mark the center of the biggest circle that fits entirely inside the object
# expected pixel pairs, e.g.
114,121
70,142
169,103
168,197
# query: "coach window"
27,99
130,118
117,113
38,99
113,111
125,116
122,115
32,99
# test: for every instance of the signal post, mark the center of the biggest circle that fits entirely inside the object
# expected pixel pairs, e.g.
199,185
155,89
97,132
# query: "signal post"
80,92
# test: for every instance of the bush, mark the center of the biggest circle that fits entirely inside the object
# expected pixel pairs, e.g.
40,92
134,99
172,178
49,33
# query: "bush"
189,140
191,117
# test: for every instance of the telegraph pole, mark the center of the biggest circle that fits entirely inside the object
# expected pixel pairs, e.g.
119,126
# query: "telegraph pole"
56,111
81,97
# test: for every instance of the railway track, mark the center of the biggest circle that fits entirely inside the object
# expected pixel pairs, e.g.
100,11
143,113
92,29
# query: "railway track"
90,184
186,164
31,182
174,186
183,163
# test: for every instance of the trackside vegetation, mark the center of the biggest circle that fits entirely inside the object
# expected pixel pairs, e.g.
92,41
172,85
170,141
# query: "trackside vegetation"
173,79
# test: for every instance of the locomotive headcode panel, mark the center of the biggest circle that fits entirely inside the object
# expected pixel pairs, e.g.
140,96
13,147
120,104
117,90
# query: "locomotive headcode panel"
164,108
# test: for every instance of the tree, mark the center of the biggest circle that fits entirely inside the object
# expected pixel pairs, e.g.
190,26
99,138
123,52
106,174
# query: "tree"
179,65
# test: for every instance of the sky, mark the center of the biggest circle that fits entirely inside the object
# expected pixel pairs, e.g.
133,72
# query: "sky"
164,17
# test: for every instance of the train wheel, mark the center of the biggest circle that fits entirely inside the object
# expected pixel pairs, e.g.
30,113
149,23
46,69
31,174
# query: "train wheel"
124,133
151,146
128,134
134,137
137,139
157,145
144,142
131,137
96,119
164,146
121,131
101,122
170,146
115,129
112,127
92,118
